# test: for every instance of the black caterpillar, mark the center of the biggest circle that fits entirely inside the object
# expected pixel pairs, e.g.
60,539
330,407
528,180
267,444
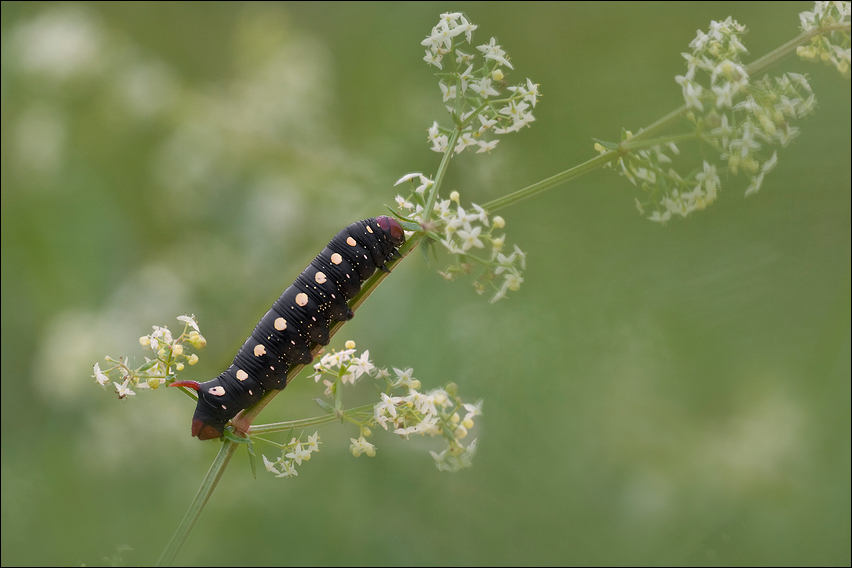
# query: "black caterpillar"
298,318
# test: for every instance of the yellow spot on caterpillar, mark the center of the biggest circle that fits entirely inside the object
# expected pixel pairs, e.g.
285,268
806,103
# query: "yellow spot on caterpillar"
280,324
320,277
336,258
259,350
369,229
216,391
242,375
302,299
350,241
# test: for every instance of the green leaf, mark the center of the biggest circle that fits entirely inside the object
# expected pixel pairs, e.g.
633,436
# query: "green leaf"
230,436
607,145
324,405
251,457
147,365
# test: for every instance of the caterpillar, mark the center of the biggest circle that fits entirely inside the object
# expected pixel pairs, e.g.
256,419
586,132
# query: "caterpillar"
300,317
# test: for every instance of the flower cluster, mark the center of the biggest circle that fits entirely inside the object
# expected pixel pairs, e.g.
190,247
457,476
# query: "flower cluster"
832,48
292,454
344,366
461,231
433,413
171,354
734,114
472,90
403,408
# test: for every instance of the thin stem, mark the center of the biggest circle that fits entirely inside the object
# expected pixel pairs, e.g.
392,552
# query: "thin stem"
442,170
242,422
315,421
214,474
551,182
638,141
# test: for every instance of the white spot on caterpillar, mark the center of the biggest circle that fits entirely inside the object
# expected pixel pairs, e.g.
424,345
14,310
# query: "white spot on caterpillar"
242,375
320,277
336,258
350,241
302,299
280,324
369,229
250,393
216,391
224,407
259,350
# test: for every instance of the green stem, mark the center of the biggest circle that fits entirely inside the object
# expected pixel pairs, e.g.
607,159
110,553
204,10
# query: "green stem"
638,141
304,423
442,170
214,474
242,422
551,182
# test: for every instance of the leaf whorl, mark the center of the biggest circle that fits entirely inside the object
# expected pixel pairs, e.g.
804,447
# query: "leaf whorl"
298,318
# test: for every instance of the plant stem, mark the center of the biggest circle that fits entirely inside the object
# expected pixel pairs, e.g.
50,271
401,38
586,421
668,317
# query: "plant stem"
442,170
639,141
315,421
214,474
551,182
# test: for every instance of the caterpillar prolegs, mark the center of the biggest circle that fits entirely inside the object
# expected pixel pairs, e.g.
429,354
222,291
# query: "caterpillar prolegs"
301,316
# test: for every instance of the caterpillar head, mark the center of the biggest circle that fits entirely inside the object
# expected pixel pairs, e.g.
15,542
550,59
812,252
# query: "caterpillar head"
204,426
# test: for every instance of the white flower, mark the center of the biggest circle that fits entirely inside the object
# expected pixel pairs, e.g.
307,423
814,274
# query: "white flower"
433,59
123,390
425,183
402,203
755,184
493,51
486,146
190,321
770,163
270,466
413,175
470,237
473,410
387,406
692,95
467,28
465,140
483,88
299,454
362,365
724,96
449,92
486,123
101,378
289,470
405,377
313,443
362,446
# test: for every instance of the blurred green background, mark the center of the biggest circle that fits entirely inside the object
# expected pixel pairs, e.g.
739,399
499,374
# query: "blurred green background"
653,394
